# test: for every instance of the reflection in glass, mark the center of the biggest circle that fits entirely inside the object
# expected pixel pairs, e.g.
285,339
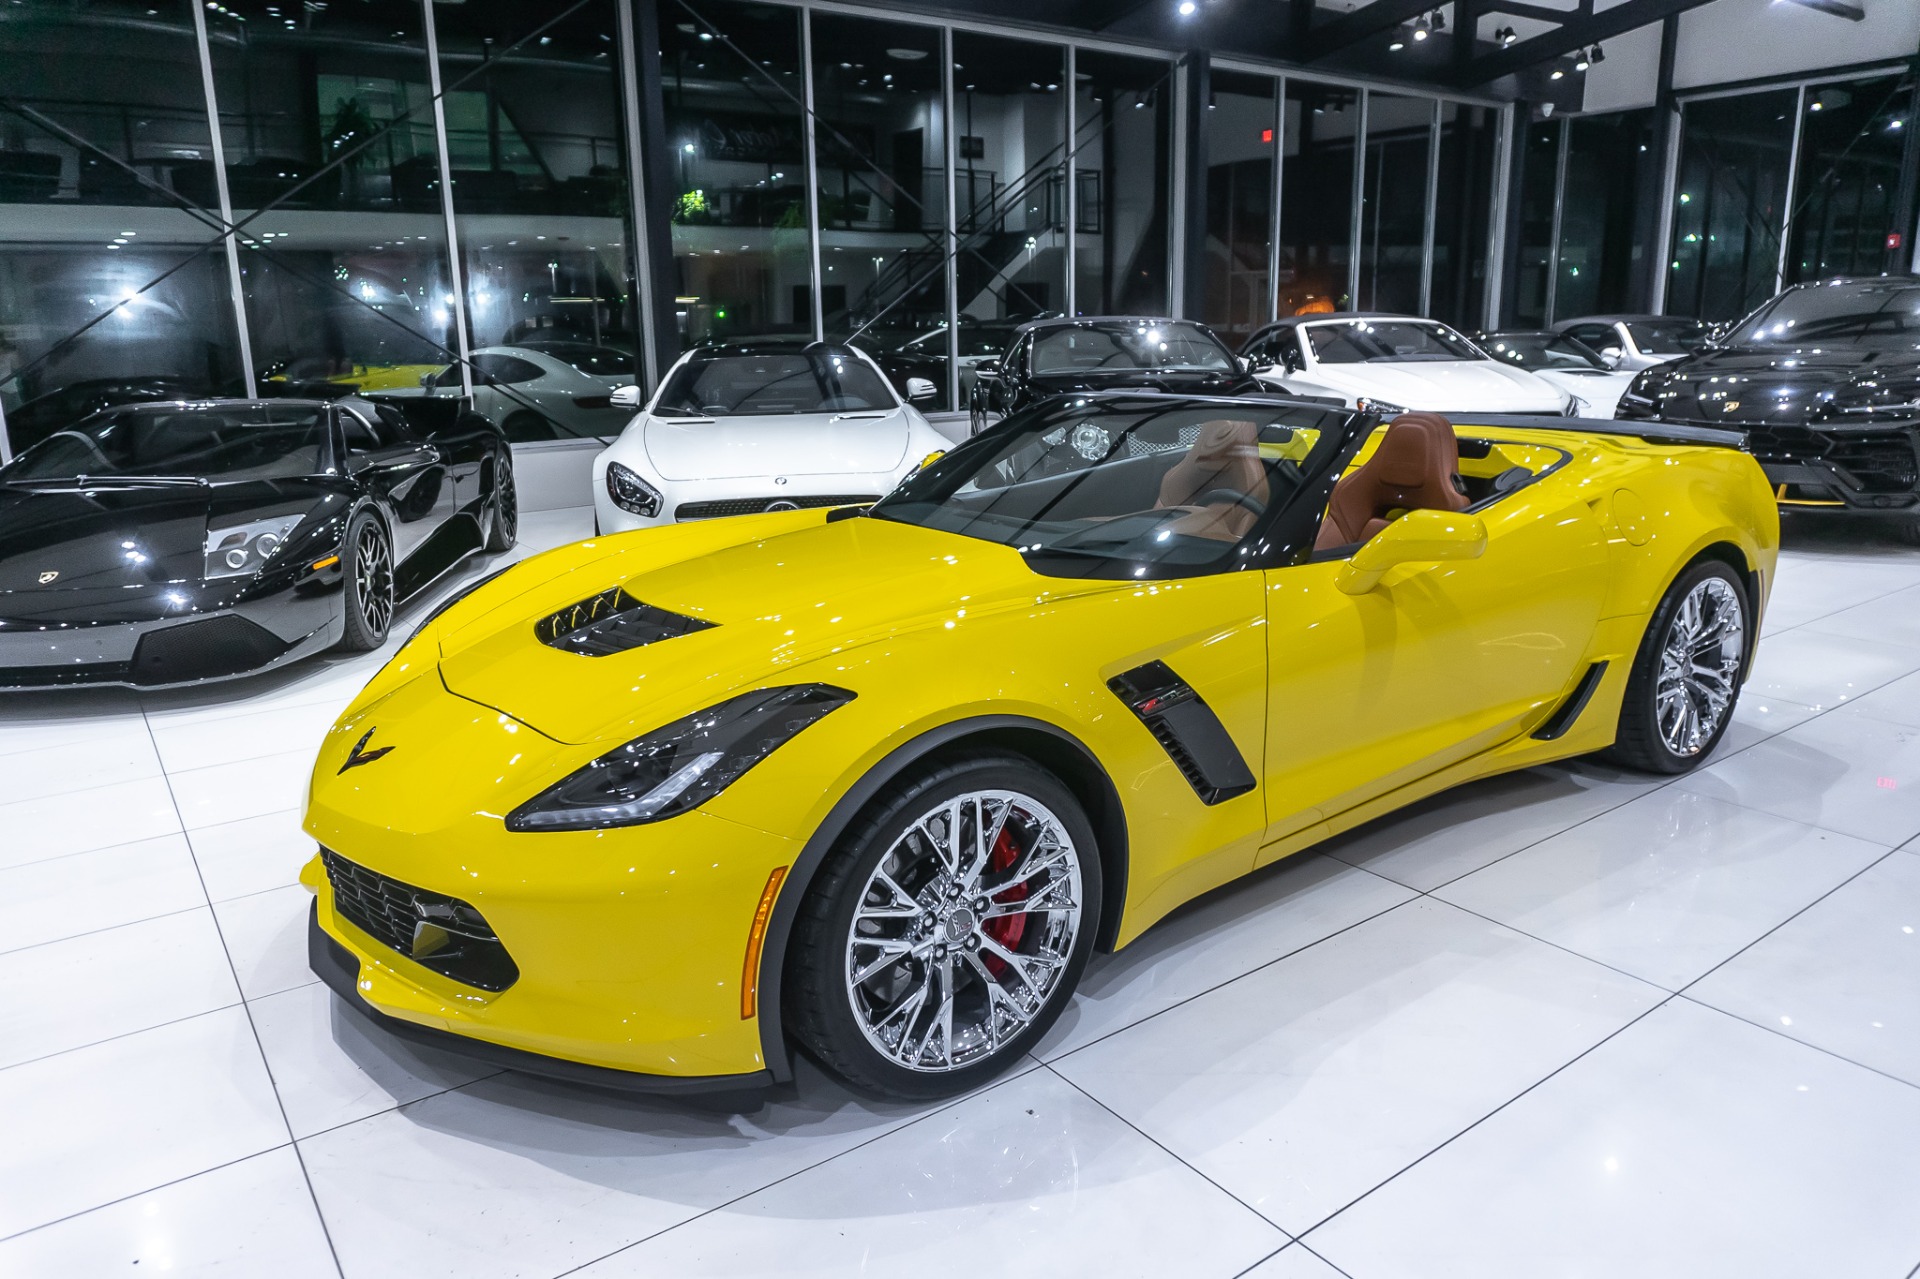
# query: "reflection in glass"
1122,158
882,162
1393,208
1539,169
1240,126
330,108
113,279
741,255
1463,213
540,203
1316,194
1609,163
1848,178
1732,191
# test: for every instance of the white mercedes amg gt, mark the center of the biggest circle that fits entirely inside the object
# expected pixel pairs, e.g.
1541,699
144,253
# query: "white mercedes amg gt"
1392,364
743,428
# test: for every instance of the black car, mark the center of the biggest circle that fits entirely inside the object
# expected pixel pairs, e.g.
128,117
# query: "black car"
38,418
1106,353
1824,380
173,543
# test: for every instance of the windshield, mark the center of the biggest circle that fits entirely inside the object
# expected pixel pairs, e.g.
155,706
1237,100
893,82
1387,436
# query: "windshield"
1666,337
723,382
223,443
1542,351
1386,342
594,361
1849,312
1086,348
1134,486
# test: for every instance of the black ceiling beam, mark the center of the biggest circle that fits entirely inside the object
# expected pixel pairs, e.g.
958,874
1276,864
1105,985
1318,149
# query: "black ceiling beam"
1363,23
1576,33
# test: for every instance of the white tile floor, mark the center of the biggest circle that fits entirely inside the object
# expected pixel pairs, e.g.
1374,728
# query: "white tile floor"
1569,1022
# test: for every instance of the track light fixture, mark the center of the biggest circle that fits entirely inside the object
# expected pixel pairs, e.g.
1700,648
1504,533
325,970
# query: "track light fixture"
1597,54
1439,20
1420,31
1581,62
1506,36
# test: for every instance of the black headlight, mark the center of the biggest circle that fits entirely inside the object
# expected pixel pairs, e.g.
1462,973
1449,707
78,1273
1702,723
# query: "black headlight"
681,766
631,493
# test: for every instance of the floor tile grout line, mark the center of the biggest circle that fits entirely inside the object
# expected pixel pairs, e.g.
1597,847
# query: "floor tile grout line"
1775,1030
399,1106
266,1064
1301,1243
1260,967
942,1108
1163,1149
1582,1054
149,1190
1245,1271
125,1034
95,932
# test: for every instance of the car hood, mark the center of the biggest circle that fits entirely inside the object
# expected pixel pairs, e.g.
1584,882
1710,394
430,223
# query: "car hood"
93,554
1442,386
1600,388
779,591
1779,385
1173,381
788,444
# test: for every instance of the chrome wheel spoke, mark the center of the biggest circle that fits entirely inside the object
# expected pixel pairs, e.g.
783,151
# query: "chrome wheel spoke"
1699,667
942,971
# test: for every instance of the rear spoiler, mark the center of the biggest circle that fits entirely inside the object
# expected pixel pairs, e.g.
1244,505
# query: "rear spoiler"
1651,432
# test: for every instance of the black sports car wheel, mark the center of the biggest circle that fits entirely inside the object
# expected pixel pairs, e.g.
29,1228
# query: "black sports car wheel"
947,930
369,594
503,511
1686,677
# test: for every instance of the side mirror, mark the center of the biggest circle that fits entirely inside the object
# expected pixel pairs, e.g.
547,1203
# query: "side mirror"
428,380
987,370
625,397
1612,355
1418,537
919,388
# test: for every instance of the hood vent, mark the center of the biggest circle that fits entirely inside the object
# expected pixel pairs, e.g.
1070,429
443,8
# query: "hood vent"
612,622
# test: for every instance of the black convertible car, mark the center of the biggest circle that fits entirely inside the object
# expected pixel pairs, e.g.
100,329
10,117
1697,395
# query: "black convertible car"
1824,381
1108,353
172,543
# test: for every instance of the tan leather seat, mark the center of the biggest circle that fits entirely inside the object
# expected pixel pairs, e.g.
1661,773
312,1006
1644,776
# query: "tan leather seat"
1225,457
1414,469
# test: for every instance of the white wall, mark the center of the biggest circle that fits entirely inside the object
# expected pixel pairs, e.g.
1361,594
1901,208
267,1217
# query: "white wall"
1732,40
1630,77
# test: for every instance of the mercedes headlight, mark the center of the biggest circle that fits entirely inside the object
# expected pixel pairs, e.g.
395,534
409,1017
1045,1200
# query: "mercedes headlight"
1386,410
240,550
631,493
681,766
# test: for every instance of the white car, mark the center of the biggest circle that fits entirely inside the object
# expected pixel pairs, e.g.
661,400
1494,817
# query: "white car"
544,390
1566,362
744,428
1634,342
1390,364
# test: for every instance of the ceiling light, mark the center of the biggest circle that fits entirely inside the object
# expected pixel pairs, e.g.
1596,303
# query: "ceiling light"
1581,63
1597,54
1439,20
1396,46
1558,74
1505,35
1188,8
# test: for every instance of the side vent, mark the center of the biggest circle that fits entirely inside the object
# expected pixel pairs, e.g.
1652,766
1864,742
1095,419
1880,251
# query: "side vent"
1562,718
1187,729
612,622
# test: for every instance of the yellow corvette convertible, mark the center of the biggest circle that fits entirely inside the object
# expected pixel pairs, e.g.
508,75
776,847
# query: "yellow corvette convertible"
655,809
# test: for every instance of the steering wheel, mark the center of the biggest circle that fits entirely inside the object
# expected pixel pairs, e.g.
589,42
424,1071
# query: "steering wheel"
1247,501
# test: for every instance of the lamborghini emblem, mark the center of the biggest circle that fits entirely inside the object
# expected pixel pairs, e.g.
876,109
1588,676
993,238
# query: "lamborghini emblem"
361,755
1729,406
49,575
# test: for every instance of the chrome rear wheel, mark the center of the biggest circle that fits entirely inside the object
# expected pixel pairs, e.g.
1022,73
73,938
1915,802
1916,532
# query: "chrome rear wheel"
1700,666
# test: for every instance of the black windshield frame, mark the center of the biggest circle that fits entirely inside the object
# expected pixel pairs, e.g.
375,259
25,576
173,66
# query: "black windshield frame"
1282,536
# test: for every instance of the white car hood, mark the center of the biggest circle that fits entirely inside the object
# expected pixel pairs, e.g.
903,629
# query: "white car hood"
783,444
1599,388
1441,386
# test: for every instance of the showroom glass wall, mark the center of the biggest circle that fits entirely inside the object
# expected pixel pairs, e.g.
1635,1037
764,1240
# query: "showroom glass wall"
425,192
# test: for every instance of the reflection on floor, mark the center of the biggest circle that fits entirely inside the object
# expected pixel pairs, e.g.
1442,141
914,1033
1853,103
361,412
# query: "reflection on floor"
1565,1022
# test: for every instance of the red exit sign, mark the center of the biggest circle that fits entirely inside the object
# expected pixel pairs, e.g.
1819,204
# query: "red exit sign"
1894,238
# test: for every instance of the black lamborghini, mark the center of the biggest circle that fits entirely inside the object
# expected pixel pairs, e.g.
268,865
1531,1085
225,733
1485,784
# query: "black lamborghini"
160,544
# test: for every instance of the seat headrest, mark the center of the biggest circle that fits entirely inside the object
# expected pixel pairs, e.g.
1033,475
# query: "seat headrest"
1224,438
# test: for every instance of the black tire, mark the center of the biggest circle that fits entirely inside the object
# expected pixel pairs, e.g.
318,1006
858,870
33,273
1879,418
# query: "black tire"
366,560
1643,741
503,508
821,989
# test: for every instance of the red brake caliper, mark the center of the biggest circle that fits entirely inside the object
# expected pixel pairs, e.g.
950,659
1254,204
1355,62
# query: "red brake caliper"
1004,929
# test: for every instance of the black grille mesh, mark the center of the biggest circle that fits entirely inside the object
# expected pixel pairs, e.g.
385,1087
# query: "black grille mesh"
755,505
1872,462
435,931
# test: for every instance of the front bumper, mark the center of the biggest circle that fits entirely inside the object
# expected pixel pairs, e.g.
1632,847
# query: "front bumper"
340,969
690,500
195,648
